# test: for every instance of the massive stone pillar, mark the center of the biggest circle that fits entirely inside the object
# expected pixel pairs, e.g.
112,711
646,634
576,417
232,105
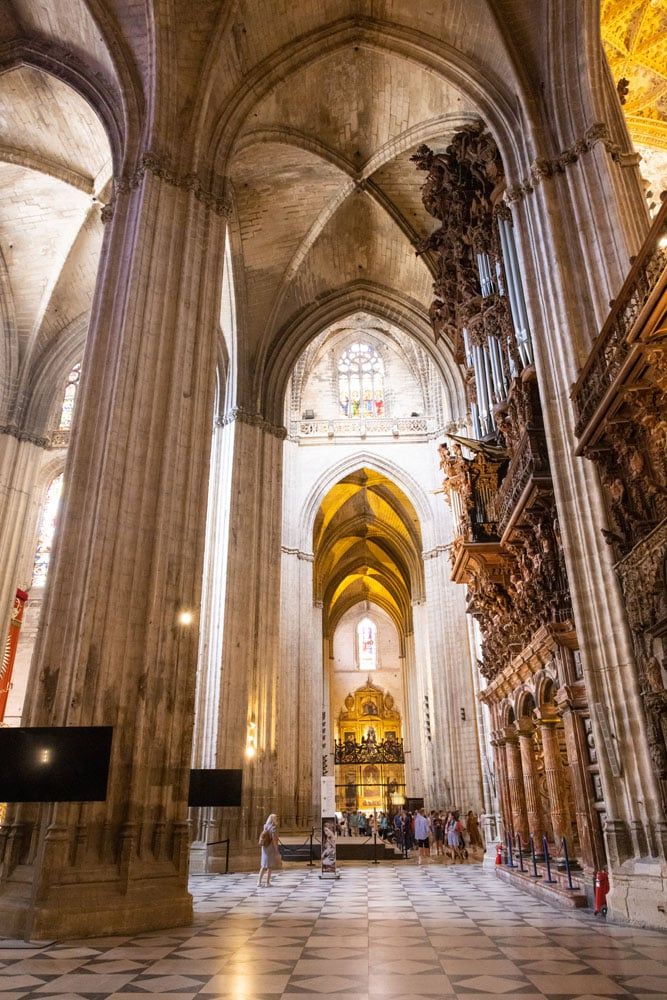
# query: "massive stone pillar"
206,821
127,560
589,250
515,785
525,731
251,732
302,698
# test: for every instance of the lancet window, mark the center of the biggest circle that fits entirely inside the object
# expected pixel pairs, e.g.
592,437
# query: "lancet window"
47,528
367,644
361,382
69,398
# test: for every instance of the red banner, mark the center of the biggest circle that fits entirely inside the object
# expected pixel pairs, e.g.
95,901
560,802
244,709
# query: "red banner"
11,646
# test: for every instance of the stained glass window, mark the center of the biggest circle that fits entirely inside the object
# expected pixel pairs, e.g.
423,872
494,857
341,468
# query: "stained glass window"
367,644
361,382
47,527
70,397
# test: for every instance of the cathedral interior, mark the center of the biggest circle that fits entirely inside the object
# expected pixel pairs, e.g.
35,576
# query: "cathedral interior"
333,437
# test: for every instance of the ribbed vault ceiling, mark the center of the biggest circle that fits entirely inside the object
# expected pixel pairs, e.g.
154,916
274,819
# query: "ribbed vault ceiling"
367,544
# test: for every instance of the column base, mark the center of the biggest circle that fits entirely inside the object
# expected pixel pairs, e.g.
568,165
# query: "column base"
639,894
94,910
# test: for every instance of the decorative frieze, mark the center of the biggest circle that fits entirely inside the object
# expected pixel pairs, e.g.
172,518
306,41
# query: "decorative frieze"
160,165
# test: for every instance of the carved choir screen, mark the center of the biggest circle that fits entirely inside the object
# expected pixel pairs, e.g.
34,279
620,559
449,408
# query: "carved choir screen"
368,754
507,548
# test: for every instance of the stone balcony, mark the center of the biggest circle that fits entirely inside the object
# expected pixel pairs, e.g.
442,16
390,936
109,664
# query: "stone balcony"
527,475
352,429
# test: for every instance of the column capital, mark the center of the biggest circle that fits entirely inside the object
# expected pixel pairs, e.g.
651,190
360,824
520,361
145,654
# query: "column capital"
525,726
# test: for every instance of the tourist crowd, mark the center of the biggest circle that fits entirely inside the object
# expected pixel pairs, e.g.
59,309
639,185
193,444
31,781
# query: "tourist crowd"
437,832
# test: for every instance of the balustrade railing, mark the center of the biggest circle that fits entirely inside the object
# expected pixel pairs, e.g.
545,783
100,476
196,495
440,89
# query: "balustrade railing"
369,427
613,344
530,459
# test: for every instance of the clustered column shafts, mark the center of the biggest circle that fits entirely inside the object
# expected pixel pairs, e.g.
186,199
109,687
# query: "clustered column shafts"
128,557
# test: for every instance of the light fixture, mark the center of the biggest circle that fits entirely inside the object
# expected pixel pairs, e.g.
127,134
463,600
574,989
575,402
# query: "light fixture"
185,617
662,242
251,740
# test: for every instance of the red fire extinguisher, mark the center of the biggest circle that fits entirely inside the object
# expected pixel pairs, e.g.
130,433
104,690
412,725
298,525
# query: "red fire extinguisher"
499,854
601,890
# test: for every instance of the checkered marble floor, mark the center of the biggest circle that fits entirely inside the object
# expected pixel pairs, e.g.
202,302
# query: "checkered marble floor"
395,931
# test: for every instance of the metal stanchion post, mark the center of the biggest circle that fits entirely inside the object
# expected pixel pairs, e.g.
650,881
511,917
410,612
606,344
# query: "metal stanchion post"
534,859
311,863
375,848
518,851
567,865
510,860
227,857
545,848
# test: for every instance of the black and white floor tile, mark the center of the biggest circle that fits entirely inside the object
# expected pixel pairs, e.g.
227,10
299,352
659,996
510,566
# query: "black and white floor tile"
397,932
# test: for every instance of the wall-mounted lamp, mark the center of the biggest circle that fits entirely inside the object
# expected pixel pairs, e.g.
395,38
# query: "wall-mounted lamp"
185,617
251,740
463,714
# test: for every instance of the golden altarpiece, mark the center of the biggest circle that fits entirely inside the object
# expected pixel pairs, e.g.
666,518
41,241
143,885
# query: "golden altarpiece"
369,757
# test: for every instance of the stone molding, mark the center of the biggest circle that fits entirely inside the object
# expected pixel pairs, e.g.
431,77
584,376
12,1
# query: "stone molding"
162,167
299,553
252,419
437,550
542,168
21,435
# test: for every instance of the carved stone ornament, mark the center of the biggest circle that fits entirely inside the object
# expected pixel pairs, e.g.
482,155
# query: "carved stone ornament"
161,166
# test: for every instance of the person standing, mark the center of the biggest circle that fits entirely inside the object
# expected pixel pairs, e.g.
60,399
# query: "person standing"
421,836
473,830
269,850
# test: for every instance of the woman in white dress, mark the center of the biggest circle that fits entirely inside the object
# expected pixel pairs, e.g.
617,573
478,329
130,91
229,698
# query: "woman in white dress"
269,851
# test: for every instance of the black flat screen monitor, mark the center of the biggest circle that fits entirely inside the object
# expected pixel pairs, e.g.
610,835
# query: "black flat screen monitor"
55,763
212,787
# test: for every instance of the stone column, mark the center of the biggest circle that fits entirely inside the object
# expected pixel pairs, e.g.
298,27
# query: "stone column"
499,744
206,822
525,730
127,560
590,248
250,678
571,704
515,784
555,778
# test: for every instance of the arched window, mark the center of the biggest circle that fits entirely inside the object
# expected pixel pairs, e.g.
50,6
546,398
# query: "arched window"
47,527
361,382
367,644
69,398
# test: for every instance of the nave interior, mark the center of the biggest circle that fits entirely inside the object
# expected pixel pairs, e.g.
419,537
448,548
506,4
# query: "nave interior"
395,932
